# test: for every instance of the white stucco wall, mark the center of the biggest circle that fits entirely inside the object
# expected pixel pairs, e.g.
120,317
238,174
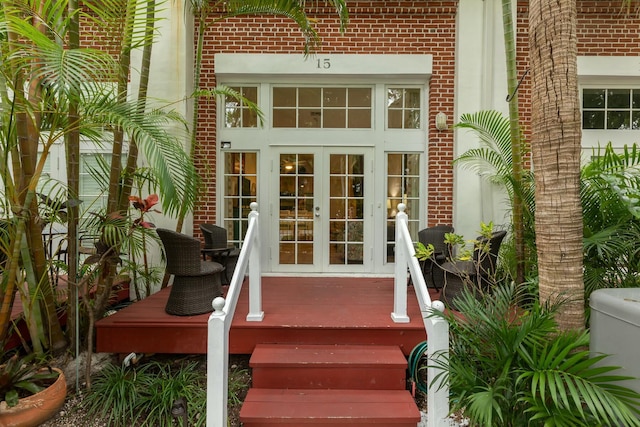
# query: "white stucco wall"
480,85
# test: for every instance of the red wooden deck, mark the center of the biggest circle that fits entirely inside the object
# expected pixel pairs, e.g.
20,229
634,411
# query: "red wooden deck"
302,310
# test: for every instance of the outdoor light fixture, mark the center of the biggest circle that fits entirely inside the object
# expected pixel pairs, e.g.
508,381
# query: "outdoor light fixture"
225,145
441,121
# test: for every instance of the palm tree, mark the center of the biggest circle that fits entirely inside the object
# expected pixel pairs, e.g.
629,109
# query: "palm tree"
51,91
517,143
555,146
493,160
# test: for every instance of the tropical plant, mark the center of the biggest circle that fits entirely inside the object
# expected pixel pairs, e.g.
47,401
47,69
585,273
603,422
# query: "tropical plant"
517,144
610,194
511,365
52,91
493,161
39,79
23,376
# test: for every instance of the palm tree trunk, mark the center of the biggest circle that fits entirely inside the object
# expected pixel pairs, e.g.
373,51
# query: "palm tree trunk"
516,138
73,188
555,148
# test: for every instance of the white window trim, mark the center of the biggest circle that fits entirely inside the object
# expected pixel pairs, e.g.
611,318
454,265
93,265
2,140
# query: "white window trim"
607,72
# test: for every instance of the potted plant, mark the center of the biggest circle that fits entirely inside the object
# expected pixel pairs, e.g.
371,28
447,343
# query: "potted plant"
30,392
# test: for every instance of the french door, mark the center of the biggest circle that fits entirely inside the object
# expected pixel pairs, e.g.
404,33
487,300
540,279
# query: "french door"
323,209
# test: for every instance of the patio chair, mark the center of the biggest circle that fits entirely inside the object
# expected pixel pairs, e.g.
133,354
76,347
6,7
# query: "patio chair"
217,248
433,274
195,282
476,274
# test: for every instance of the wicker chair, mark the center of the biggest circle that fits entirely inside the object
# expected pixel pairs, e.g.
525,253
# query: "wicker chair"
217,248
433,275
476,274
196,283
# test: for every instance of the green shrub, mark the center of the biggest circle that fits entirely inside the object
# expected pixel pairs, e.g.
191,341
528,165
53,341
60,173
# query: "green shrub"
168,385
115,394
144,395
510,365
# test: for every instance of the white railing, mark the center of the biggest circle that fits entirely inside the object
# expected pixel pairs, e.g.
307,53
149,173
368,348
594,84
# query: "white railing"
220,321
437,328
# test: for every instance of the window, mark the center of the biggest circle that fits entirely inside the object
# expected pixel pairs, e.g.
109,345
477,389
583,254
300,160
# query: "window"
611,109
237,113
403,108
240,185
322,107
403,186
93,192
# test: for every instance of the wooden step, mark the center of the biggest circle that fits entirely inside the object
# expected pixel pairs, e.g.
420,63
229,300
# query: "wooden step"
365,367
329,408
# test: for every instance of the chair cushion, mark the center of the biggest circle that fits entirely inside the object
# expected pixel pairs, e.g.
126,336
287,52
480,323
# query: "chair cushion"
460,268
209,267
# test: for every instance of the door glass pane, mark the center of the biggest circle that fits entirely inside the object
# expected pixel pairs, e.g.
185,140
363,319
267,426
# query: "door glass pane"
346,209
296,209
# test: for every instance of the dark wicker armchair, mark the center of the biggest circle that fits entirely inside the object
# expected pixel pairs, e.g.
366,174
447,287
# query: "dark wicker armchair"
477,273
217,248
195,283
433,274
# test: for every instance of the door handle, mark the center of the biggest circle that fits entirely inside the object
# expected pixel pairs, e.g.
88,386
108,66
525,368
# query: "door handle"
317,212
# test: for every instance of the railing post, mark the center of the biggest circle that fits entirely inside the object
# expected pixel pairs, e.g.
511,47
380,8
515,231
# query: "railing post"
437,327
438,359
217,366
255,270
399,314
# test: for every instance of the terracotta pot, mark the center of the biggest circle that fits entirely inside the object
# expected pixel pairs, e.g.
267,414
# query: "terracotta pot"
34,410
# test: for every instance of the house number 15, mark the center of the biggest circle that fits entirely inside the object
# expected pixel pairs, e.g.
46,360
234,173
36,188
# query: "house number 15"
324,63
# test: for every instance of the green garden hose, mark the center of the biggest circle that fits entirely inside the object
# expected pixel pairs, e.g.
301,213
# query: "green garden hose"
418,353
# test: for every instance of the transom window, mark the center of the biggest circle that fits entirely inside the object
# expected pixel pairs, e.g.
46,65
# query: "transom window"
322,107
237,112
403,108
611,109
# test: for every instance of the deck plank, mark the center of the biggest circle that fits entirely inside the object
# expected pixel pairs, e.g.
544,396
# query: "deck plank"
305,310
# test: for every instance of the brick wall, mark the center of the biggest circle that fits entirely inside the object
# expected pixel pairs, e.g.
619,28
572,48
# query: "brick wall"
389,27
605,28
